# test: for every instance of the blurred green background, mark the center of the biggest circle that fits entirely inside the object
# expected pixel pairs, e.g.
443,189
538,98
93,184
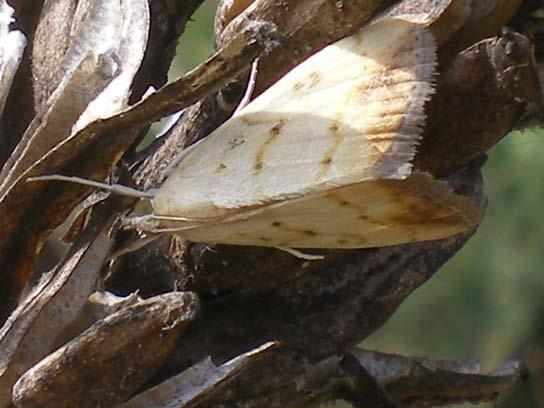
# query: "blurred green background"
487,302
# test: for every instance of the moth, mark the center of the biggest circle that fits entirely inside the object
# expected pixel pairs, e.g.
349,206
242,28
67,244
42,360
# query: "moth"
322,159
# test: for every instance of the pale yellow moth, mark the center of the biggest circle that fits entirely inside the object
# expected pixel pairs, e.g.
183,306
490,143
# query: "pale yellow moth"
322,159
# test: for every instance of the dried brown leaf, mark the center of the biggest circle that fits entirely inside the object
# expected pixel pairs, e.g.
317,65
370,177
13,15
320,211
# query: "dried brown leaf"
12,45
98,306
417,382
111,360
306,25
104,49
31,331
50,44
375,379
499,78
196,383
444,17
94,150
486,19
15,120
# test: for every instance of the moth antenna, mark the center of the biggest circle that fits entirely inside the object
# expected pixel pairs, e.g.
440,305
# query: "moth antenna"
301,255
250,87
114,188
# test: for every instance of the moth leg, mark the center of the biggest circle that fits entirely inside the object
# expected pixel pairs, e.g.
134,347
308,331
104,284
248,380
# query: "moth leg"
146,223
301,255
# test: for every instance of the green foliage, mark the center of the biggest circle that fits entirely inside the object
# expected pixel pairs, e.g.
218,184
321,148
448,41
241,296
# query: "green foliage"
197,43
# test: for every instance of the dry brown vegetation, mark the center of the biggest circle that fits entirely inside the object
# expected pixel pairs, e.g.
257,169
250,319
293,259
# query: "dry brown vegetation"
281,331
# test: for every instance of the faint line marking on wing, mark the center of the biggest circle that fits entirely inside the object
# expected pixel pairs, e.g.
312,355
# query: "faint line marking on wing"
328,157
274,133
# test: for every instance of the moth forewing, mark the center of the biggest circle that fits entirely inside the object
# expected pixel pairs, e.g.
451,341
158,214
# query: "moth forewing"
353,112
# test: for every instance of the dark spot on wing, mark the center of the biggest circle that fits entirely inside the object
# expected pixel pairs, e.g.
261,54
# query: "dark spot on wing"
276,129
298,86
342,202
411,209
249,121
237,141
273,134
336,140
315,77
